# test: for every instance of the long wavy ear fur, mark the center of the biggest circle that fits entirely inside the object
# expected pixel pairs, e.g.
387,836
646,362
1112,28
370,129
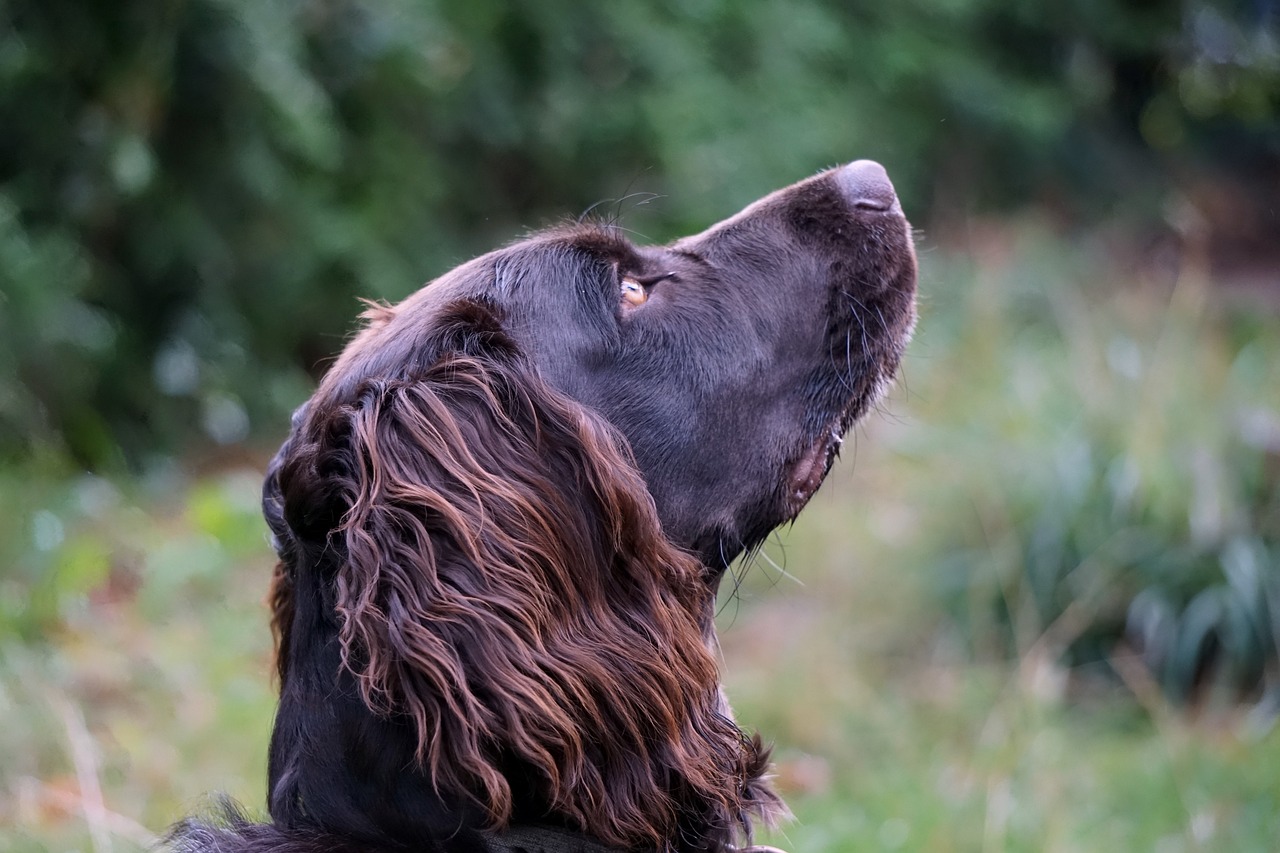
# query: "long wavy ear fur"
505,585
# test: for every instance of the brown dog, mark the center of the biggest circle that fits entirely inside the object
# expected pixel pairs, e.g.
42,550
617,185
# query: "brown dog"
502,518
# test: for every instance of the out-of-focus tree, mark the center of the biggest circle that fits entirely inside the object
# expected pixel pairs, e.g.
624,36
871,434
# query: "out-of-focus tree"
192,192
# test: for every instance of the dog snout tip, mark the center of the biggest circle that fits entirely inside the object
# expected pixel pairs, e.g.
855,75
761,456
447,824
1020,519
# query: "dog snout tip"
866,186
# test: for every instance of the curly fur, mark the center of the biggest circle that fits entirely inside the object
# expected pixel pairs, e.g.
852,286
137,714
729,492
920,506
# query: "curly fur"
507,588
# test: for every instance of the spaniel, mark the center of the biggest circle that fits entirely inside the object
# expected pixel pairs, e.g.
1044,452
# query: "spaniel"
503,516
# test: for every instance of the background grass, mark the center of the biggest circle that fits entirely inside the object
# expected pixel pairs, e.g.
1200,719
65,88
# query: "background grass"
891,643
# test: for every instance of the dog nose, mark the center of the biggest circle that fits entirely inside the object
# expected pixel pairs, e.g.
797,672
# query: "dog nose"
866,185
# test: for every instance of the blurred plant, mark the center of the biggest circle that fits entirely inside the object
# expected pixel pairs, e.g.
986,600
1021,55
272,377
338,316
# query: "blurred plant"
73,546
192,194
1200,630
134,653
1122,475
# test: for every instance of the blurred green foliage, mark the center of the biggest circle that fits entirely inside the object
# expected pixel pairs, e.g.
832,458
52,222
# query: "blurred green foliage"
192,194
134,649
1112,487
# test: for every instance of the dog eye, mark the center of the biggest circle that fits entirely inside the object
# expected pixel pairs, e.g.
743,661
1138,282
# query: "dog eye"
633,292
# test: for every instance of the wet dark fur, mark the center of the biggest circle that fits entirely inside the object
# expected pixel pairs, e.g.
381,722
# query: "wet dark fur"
502,517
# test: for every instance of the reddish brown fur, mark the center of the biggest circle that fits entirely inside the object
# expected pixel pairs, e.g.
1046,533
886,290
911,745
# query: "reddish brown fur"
508,587
471,460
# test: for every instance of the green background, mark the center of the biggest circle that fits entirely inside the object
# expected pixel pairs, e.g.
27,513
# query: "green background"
1037,605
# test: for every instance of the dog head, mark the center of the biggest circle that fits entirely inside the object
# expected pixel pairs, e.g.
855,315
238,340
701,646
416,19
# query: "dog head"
732,361
498,515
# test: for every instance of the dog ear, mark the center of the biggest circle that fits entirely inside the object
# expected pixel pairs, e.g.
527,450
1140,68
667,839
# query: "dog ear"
504,585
